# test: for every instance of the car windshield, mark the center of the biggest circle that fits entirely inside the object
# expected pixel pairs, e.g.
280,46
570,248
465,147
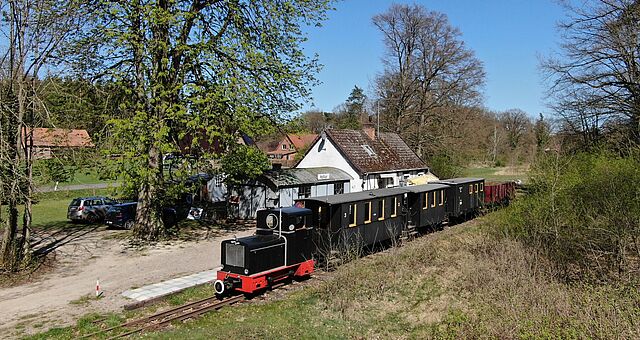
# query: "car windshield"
75,202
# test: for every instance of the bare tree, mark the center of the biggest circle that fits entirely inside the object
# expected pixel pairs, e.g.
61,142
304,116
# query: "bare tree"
35,31
430,74
516,123
595,78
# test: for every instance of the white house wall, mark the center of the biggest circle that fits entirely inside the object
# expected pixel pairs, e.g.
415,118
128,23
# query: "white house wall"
324,153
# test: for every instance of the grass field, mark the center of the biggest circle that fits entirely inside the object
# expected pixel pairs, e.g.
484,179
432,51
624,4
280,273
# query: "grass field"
51,207
498,174
458,283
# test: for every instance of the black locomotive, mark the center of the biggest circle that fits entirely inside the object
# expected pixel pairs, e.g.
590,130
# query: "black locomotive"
287,239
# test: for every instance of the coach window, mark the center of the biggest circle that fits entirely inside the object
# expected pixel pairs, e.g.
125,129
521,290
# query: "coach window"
476,188
425,204
352,214
395,207
481,186
433,203
381,210
441,197
471,188
367,212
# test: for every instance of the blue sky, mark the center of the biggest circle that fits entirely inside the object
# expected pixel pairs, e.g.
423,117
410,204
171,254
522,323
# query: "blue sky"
508,36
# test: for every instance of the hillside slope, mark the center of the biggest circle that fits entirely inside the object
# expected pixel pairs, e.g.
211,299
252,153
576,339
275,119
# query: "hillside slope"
455,283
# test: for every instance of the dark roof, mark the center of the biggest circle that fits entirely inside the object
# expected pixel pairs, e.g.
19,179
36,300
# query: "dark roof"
356,196
458,180
296,177
425,187
386,153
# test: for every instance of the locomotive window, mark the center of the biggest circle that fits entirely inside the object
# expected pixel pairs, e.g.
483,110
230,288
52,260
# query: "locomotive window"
425,204
395,207
433,203
381,209
367,212
352,214
471,188
441,197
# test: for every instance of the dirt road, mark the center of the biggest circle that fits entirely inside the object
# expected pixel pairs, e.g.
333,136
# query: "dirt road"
56,299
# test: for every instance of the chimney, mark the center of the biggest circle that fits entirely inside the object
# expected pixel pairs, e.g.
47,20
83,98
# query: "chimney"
370,130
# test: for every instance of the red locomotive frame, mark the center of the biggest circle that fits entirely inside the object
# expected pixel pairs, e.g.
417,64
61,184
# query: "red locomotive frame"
256,282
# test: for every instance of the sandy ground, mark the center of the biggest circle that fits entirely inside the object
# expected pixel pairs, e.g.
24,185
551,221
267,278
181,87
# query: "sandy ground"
55,299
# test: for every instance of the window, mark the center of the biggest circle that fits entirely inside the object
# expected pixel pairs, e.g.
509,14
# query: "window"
433,203
481,186
367,212
385,182
338,188
368,150
291,147
471,188
441,197
395,207
304,191
476,188
381,210
284,146
352,215
425,204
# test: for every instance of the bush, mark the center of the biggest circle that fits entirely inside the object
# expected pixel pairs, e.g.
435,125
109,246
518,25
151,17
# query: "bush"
445,165
583,211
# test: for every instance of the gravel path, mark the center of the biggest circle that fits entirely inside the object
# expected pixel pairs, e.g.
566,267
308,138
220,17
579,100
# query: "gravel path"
77,187
56,299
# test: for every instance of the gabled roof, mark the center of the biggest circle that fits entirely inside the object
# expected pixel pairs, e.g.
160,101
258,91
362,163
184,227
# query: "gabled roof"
44,137
387,153
300,141
307,176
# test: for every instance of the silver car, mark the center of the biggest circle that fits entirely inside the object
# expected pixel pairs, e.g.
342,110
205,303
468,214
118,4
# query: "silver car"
89,209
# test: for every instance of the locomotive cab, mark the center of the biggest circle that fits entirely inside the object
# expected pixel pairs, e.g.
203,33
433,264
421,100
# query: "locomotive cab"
281,248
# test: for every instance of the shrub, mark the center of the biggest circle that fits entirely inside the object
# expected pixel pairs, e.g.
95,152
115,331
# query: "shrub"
583,211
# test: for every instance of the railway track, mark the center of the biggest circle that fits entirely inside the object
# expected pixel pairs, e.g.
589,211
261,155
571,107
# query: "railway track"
161,319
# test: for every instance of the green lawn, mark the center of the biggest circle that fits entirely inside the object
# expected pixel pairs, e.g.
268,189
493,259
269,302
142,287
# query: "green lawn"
51,207
498,174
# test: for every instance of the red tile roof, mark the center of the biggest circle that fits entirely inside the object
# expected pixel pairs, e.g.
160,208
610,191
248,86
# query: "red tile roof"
47,137
389,152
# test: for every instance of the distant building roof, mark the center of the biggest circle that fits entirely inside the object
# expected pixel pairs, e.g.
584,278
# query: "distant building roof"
296,177
299,141
369,155
52,137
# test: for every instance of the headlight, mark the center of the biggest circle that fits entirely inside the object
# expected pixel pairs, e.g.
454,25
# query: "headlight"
246,271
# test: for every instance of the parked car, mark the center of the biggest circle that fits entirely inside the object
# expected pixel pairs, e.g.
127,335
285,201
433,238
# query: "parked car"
89,209
123,215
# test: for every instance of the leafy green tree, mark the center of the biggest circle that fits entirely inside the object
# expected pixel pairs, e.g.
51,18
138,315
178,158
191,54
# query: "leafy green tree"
353,109
244,163
204,69
542,132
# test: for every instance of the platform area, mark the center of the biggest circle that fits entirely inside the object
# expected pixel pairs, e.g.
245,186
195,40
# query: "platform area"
160,289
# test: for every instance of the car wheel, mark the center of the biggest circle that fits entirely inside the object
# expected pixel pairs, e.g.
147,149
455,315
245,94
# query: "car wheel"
128,225
92,218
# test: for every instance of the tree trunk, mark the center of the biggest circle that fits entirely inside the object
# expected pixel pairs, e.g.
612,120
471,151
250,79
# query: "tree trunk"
149,224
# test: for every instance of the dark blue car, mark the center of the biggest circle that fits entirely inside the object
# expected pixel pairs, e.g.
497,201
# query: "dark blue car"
124,215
